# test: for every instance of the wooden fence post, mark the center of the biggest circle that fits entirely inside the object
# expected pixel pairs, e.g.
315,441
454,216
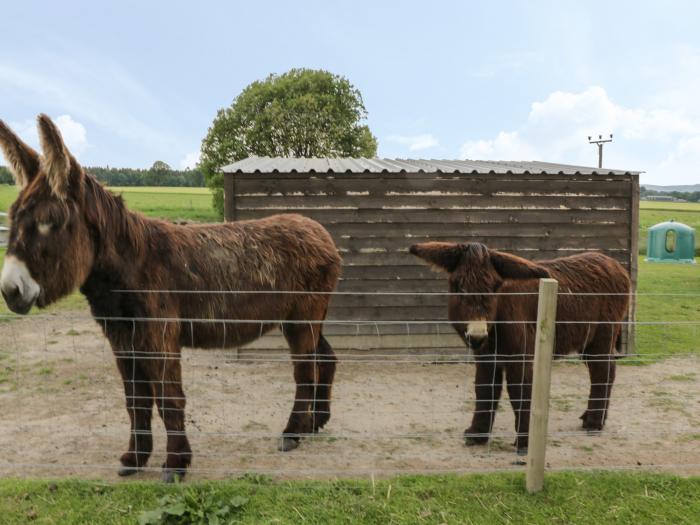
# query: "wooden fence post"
539,407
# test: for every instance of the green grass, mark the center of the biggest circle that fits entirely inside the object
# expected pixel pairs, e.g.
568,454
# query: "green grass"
193,204
581,498
668,278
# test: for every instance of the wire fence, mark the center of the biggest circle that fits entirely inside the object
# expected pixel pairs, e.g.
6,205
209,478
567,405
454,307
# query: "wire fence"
392,411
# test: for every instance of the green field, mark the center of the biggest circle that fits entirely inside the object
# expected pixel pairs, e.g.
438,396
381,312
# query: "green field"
580,498
193,204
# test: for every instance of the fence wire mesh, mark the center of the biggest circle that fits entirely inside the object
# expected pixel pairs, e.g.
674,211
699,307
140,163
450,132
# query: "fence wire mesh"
394,410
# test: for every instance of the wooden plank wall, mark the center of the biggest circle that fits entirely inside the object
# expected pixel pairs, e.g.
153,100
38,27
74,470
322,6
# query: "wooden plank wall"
374,218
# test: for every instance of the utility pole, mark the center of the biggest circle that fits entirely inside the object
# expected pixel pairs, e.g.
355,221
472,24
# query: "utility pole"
600,143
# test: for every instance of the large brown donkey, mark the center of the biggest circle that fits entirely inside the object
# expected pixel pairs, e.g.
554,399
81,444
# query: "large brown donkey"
496,314
67,231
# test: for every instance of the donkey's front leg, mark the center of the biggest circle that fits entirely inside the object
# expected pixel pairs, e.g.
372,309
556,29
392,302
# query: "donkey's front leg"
519,380
488,384
170,400
139,405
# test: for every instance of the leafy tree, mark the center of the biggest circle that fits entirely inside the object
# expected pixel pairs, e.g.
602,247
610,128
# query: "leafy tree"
159,165
301,113
133,177
6,176
158,173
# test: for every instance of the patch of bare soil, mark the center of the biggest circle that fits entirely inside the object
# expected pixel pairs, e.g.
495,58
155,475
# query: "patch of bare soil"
63,414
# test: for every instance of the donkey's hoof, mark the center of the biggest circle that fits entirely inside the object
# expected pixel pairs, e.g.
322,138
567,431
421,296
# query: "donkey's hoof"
173,475
320,421
594,426
125,471
472,438
288,443
522,451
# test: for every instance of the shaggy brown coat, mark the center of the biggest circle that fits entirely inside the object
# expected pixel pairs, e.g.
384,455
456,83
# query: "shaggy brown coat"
592,330
70,232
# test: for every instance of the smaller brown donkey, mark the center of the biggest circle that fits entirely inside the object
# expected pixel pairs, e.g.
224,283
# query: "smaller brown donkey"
67,231
496,317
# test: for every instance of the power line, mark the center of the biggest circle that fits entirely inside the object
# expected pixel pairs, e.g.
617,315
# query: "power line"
600,142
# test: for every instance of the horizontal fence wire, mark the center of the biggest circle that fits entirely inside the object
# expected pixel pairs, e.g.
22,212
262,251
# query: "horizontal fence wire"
393,411
381,322
391,293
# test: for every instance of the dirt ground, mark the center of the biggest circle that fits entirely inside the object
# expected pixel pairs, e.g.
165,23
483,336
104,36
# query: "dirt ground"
63,414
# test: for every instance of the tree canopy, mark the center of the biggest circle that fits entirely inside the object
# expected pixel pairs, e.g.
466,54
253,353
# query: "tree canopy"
159,165
132,176
301,113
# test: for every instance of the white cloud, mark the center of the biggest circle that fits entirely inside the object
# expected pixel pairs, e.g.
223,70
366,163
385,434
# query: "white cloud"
663,142
415,142
593,111
683,163
190,161
73,132
506,146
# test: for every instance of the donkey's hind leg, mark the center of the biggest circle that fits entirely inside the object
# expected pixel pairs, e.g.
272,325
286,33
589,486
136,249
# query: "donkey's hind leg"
139,405
303,340
326,364
600,360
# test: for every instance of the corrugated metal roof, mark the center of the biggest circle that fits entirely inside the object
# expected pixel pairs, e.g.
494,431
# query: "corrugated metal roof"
365,165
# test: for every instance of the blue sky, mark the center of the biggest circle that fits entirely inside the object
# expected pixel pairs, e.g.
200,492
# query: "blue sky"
133,82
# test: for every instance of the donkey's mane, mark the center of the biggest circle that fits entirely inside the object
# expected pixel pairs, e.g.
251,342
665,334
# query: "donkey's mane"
476,250
111,219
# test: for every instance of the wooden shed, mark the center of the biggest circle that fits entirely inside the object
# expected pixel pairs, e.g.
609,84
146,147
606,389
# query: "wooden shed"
376,208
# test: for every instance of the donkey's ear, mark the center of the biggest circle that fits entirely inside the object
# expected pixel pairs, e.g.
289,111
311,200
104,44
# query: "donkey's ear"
514,267
442,255
23,160
57,160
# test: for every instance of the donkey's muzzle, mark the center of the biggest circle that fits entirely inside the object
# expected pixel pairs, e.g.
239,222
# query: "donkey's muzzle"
17,286
13,299
15,302
476,334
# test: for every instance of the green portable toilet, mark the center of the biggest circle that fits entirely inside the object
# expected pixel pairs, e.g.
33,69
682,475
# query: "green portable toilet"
672,242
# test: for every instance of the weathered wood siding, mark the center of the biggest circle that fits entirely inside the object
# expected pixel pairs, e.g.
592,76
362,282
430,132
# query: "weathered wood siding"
374,218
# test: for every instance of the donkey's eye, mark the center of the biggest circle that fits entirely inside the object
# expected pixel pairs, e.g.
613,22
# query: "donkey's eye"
44,227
